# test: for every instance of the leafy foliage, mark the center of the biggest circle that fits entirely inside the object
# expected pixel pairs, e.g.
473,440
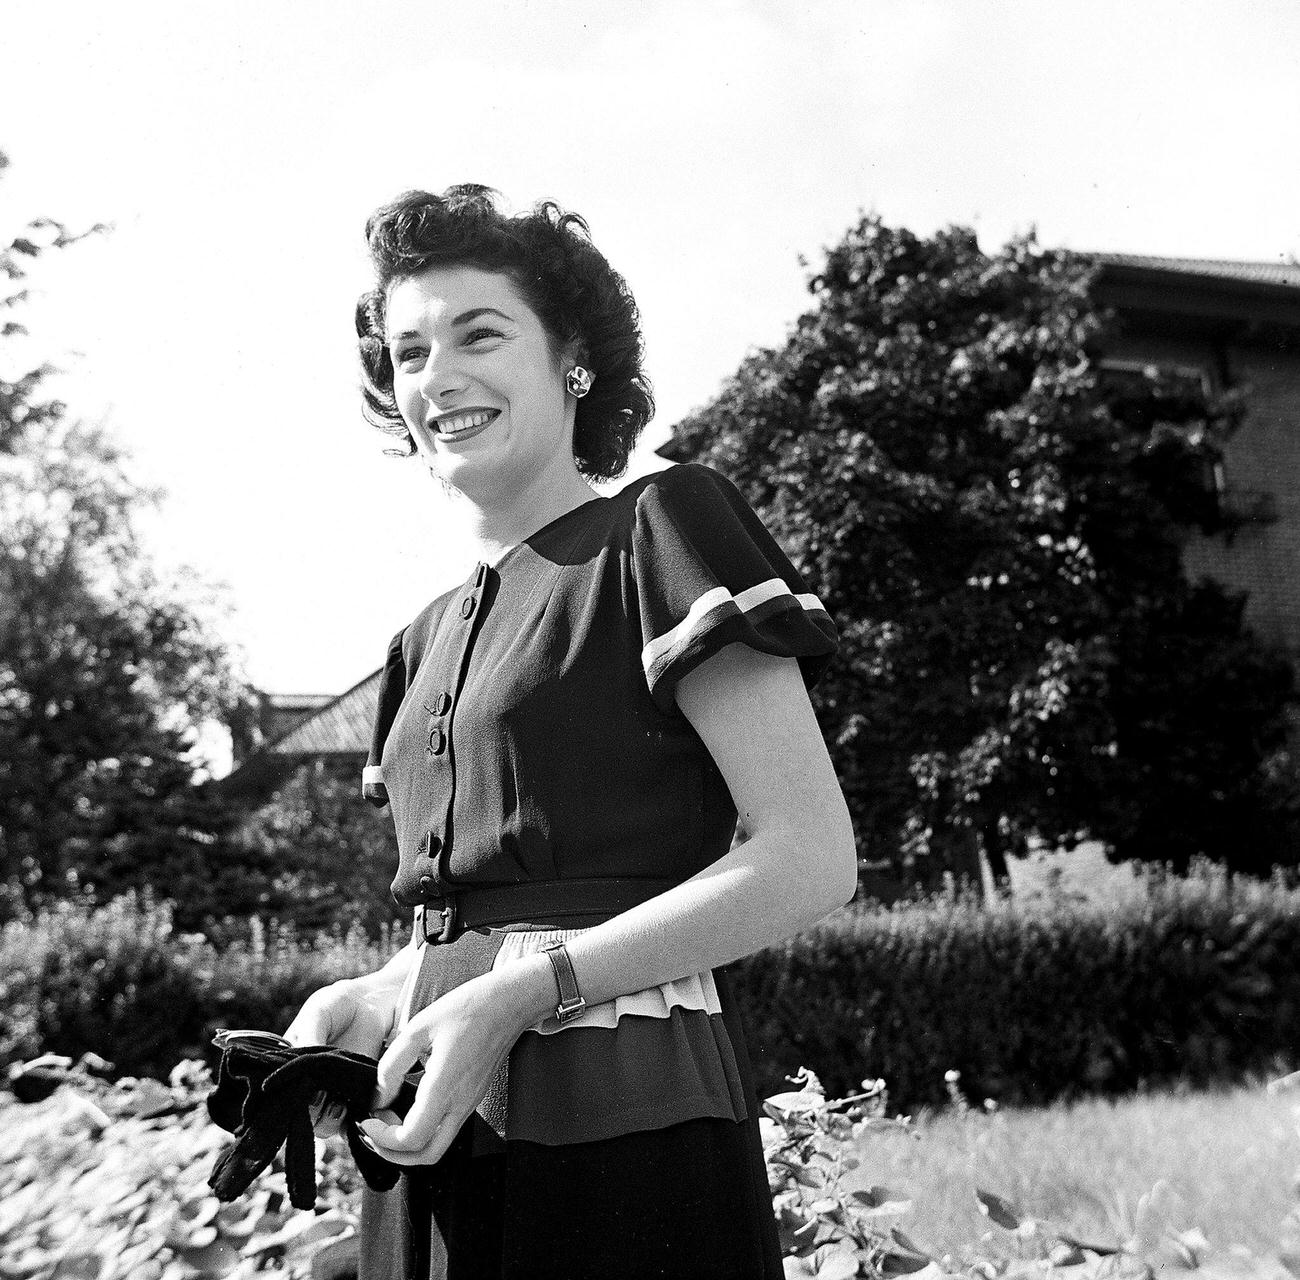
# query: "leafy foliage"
834,1225
122,979
109,1180
328,856
22,404
831,1219
1180,980
107,665
997,533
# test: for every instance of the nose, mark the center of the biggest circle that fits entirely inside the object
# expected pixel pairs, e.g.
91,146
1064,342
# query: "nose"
441,377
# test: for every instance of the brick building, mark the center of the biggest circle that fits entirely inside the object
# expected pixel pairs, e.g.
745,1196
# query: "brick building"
1228,324
1231,325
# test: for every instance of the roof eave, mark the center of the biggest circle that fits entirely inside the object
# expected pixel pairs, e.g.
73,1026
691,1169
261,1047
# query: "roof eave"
1168,291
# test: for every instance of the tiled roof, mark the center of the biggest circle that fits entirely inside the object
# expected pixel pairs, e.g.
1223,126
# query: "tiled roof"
1275,273
298,701
341,726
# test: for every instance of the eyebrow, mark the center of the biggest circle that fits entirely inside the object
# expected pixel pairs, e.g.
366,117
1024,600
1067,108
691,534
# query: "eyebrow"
464,318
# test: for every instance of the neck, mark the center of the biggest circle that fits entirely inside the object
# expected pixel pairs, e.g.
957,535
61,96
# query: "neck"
500,521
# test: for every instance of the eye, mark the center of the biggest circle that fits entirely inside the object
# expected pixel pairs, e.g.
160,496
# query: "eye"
481,335
409,355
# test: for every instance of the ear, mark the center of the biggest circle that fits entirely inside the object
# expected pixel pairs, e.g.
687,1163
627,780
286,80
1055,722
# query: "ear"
573,352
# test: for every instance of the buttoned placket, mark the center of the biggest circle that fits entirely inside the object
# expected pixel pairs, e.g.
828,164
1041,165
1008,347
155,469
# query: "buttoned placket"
465,616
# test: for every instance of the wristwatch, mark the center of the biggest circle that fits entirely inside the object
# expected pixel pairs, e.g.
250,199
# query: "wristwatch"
571,1005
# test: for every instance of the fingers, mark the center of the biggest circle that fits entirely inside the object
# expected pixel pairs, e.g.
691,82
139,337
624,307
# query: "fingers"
326,1117
398,1059
412,1159
423,1114
381,1131
307,1031
322,1019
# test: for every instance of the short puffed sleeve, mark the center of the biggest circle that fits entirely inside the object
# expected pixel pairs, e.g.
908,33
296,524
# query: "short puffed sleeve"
708,574
392,688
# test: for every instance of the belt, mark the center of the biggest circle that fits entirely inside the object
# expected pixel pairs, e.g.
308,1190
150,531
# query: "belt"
481,906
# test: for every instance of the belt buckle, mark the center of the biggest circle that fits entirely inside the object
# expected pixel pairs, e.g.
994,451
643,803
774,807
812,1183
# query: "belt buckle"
450,918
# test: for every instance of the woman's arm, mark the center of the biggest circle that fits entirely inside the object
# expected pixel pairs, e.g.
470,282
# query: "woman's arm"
798,863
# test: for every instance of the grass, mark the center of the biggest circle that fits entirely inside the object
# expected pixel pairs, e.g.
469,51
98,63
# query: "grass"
1231,1155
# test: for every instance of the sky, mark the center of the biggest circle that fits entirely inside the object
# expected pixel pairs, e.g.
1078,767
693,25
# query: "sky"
714,146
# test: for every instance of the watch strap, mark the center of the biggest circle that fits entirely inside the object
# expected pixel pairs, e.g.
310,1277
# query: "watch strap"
571,1004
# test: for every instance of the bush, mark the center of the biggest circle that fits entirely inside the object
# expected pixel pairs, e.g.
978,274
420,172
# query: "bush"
1031,999
323,855
119,980
1190,980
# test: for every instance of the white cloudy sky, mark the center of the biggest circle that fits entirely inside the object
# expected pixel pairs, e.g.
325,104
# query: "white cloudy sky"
238,146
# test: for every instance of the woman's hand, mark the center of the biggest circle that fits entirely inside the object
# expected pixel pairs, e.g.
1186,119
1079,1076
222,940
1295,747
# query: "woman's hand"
348,1015
351,1014
462,1038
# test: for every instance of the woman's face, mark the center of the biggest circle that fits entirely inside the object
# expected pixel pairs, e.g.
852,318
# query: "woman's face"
476,381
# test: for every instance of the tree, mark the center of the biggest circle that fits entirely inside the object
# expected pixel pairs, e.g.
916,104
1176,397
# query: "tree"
107,667
997,532
328,855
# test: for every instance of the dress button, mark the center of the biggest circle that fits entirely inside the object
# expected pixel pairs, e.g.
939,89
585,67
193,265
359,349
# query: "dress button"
426,883
442,704
467,607
437,742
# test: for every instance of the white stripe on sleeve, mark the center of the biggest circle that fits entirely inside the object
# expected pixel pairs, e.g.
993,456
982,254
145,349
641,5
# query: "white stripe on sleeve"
697,619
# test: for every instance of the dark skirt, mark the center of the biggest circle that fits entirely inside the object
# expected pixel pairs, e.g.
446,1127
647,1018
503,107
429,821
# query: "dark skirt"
689,1200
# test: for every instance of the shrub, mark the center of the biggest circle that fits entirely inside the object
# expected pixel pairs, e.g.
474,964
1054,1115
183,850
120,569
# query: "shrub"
323,853
1182,979
119,980
1031,1000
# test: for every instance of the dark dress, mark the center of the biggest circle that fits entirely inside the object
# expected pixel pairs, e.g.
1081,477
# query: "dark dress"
528,739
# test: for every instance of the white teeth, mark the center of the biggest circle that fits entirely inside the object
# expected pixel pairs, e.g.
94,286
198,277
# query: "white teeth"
462,422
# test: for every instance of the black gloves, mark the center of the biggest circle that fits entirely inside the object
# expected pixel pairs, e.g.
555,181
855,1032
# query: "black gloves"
263,1096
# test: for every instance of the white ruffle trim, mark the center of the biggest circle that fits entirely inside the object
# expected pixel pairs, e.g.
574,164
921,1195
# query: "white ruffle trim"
695,992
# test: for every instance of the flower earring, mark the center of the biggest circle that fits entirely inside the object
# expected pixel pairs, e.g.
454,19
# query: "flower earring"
579,380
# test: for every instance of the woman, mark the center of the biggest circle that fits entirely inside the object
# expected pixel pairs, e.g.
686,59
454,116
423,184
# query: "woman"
565,741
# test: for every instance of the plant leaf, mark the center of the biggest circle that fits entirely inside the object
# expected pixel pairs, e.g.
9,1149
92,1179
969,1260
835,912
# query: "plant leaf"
1154,1219
901,1238
881,1200
1104,1250
902,1264
997,1209
835,1262
796,1102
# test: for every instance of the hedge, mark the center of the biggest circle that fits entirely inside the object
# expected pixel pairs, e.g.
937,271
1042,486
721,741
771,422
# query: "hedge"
1193,980
122,982
1190,980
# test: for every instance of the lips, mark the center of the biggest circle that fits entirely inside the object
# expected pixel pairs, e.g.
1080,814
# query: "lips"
462,423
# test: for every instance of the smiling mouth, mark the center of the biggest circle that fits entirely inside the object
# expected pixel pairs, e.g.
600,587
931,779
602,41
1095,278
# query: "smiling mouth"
463,424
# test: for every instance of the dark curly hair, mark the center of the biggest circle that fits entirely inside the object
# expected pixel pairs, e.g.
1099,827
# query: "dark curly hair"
581,301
